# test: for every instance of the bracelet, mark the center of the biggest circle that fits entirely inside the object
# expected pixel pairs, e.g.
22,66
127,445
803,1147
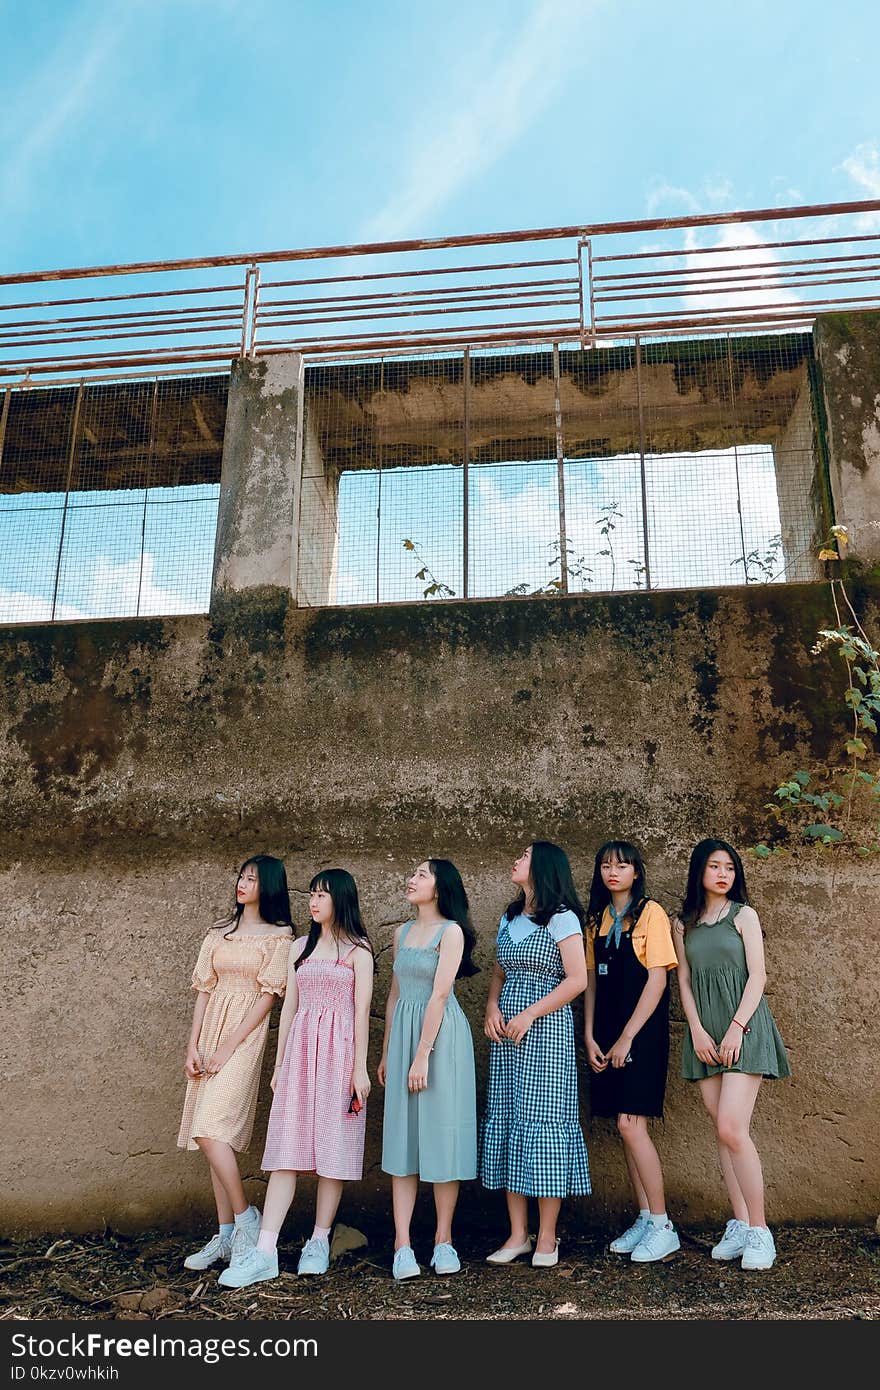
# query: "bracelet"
744,1026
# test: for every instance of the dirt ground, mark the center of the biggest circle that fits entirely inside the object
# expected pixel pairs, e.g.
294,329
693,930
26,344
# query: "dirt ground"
820,1273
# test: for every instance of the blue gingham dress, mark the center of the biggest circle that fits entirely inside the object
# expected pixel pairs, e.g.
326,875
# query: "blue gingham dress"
531,1139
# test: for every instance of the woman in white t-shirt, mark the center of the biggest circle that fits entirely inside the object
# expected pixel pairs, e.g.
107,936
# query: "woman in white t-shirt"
531,1142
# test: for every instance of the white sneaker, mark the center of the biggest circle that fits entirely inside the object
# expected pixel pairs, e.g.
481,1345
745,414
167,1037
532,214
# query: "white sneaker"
760,1251
244,1237
625,1244
219,1247
250,1268
658,1243
733,1242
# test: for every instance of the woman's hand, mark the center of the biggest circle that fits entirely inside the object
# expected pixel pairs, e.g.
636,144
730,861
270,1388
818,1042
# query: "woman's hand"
519,1025
418,1072
274,1079
218,1059
193,1064
730,1046
620,1054
382,1070
595,1056
704,1047
494,1023
360,1083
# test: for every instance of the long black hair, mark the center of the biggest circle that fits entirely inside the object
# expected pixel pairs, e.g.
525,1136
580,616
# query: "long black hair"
553,887
452,903
600,894
346,911
694,900
274,902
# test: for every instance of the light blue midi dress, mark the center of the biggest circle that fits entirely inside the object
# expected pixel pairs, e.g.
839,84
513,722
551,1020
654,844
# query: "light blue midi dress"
433,1132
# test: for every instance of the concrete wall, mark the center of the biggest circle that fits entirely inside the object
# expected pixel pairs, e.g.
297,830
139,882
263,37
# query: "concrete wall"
141,761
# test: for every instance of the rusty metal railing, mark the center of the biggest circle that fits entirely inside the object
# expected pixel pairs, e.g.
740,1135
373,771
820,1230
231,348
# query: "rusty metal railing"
584,284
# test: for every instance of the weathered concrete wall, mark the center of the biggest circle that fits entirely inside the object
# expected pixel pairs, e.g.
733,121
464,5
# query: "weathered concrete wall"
142,760
848,349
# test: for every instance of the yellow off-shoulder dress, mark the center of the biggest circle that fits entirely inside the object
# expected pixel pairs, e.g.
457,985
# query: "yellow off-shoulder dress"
235,970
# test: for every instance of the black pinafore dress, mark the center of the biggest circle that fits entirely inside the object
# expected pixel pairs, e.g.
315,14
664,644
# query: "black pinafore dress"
639,1087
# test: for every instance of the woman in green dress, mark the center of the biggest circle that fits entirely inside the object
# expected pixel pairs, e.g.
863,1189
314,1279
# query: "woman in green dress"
733,1042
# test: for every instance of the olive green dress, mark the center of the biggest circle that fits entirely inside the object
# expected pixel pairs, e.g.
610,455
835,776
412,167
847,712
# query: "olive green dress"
716,957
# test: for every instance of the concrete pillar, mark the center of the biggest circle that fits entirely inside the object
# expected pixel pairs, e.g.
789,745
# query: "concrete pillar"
848,348
259,480
799,494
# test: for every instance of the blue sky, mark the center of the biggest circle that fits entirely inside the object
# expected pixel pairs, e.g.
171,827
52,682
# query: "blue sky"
135,130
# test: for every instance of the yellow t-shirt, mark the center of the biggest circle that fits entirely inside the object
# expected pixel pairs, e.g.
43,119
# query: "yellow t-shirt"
651,939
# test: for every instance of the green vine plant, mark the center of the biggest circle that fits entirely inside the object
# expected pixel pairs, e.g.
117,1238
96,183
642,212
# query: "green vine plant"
434,587
839,804
762,568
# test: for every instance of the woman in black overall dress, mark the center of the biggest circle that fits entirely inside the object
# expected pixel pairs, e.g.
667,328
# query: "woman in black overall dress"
629,954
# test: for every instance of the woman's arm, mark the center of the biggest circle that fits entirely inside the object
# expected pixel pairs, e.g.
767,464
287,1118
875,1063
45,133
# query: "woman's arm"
193,1065
362,963
648,1000
252,1019
390,1006
749,928
493,1018
288,1008
597,1061
571,949
703,1042
451,952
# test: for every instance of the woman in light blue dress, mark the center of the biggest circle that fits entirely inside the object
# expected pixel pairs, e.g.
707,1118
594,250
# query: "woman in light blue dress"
427,1066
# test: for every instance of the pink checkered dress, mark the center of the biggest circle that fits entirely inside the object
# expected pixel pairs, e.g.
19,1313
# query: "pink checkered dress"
310,1128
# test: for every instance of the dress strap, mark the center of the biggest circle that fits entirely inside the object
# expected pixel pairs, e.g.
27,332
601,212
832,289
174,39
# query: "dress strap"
404,933
436,938
344,960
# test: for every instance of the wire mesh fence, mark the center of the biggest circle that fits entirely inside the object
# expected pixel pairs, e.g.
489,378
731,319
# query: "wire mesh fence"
108,498
642,465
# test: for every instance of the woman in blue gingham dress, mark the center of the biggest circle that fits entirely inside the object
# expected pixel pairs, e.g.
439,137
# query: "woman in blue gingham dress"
531,1142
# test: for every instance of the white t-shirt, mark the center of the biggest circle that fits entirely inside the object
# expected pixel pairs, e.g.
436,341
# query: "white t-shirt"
561,925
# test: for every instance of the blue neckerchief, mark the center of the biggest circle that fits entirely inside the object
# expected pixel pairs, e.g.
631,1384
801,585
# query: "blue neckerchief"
615,931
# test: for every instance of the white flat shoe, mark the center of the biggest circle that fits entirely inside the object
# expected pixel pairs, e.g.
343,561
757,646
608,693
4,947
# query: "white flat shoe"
505,1255
543,1259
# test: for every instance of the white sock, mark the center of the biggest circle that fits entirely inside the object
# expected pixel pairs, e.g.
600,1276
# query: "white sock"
267,1241
644,1212
246,1217
226,1228
321,1233
658,1220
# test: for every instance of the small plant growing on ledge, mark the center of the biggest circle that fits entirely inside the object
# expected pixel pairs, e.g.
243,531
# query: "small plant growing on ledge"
762,569
839,804
434,587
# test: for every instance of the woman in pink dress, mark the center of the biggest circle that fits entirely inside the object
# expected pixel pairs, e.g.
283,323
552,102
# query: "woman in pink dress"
320,1083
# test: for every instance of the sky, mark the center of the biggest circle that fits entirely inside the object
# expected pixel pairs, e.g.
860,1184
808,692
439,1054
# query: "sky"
138,131
145,129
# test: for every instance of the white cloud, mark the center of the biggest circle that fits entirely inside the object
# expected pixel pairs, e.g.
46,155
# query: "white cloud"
105,590
863,167
477,117
742,256
18,606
